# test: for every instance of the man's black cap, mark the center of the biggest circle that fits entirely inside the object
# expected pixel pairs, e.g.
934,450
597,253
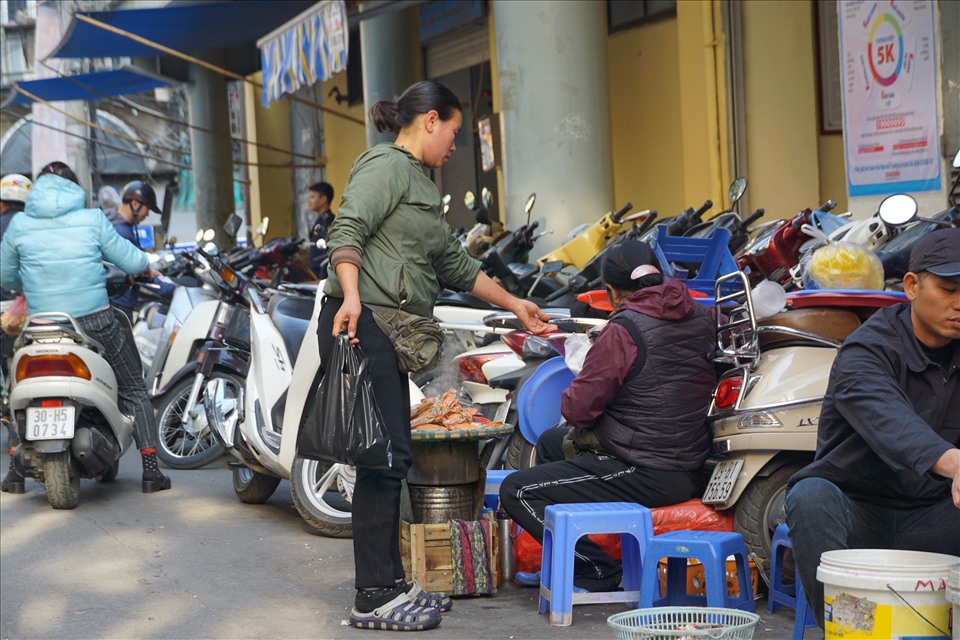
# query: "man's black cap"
938,253
621,262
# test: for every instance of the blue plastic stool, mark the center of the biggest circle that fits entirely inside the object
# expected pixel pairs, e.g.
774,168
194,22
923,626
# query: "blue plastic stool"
780,593
804,620
712,549
564,524
791,595
491,489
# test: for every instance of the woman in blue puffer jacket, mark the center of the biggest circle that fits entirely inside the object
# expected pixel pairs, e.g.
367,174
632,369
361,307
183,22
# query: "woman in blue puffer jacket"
53,252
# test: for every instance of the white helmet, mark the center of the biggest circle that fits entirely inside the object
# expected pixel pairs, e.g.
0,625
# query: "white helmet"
15,187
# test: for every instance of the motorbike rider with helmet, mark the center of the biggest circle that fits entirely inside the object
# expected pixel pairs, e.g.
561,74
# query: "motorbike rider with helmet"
136,200
55,251
14,189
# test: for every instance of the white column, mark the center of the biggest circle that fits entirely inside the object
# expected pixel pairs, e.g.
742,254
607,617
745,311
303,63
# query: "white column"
552,82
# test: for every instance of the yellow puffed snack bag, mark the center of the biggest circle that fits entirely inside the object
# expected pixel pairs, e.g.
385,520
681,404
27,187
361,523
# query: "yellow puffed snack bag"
842,265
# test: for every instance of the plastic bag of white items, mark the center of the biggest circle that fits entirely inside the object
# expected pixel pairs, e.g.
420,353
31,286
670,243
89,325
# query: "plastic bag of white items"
575,348
842,265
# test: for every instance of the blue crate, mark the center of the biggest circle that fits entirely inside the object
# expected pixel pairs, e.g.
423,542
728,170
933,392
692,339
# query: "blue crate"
712,254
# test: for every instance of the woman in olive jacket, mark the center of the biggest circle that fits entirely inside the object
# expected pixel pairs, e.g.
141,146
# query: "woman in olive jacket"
391,247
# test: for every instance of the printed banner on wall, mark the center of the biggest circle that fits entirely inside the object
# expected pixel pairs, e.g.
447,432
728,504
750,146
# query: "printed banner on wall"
890,103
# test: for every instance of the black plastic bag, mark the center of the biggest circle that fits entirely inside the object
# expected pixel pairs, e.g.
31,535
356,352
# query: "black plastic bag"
344,423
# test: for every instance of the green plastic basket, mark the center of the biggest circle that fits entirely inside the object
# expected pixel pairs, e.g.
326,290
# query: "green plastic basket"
684,622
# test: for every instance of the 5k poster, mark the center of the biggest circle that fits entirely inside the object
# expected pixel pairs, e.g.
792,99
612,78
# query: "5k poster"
890,103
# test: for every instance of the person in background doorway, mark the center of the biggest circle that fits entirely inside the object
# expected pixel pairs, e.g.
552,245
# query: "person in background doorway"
887,470
321,197
55,252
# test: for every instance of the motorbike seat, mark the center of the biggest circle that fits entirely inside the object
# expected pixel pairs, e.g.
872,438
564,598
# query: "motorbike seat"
832,323
196,295
463,299
291,315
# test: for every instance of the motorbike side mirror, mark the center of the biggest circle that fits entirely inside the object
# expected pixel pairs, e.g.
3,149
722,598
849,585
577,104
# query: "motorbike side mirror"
897,210
528,206
486,198
261,229
551,267
737,188
445,202
470,201
232,225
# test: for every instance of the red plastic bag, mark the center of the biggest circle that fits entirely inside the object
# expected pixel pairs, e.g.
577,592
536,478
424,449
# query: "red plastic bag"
16,314
691,515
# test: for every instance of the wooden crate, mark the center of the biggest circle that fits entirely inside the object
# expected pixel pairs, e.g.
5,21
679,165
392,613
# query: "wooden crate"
428,556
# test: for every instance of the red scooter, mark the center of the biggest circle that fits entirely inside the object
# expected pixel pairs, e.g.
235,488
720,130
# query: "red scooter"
777,248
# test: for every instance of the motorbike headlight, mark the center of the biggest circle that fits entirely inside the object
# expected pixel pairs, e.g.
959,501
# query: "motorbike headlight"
760,420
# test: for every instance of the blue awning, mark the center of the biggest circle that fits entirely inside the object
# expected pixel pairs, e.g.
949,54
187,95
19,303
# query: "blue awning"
87,86
188,28
308,49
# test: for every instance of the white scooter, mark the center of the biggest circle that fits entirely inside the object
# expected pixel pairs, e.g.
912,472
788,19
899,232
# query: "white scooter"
259,426
64,400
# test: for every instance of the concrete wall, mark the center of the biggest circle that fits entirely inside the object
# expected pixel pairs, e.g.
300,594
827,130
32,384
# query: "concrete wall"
645,118
271,188
781,106
344,140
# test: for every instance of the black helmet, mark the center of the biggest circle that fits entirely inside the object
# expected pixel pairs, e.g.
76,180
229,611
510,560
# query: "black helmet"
141,191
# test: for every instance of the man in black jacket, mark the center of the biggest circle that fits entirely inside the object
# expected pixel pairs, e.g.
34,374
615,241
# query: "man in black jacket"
887,470
321,197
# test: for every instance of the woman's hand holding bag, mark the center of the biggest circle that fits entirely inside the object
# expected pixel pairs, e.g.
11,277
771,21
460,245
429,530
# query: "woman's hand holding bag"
344,423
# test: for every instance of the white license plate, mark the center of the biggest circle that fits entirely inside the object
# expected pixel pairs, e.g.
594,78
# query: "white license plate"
502,411
721,482
50,423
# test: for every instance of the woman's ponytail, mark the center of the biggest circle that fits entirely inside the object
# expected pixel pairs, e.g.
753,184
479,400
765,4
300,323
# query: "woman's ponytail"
384,114
419,98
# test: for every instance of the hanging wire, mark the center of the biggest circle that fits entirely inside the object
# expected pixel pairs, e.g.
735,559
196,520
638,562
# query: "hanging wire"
124,150
206,65
165,118
123,136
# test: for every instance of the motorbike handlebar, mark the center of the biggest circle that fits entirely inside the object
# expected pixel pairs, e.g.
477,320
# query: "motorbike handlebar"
828,205
618,215
703,209
756,215
562,291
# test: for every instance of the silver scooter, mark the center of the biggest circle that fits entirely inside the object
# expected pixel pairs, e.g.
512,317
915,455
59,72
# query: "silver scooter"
64,400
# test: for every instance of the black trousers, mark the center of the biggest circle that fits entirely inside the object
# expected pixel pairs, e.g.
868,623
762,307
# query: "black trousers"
376,496
526,494
822,518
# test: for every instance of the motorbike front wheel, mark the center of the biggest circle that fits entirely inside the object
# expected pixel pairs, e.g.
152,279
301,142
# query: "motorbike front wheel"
323,495
61,477
252,487
185,444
